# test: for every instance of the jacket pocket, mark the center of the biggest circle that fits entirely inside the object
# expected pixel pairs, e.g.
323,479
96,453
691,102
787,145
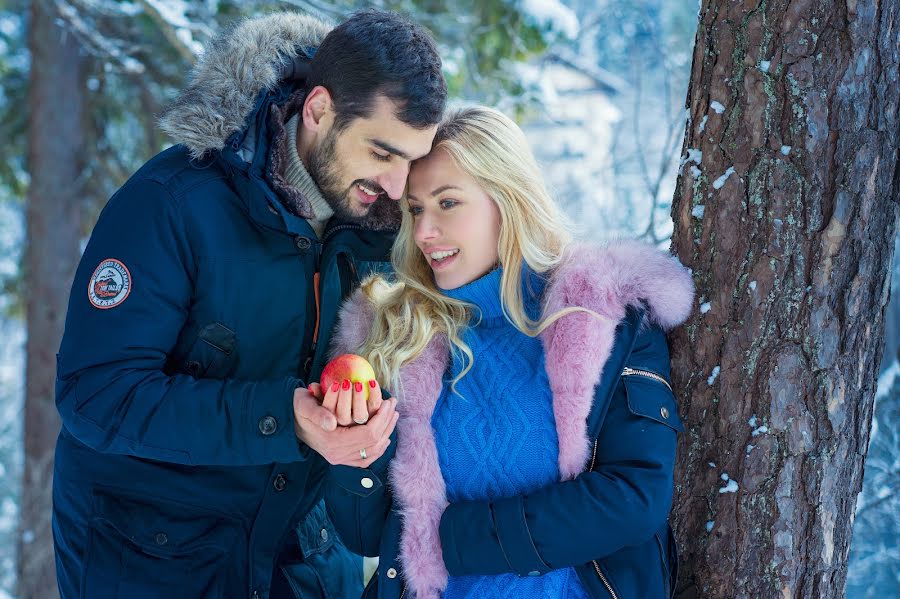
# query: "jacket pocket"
213,354
144,547
649,395
328,569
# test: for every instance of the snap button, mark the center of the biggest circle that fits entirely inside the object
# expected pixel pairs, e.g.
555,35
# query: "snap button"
303,243
534,573
367,483
267,425
324,535
392,573
664,412
280,482
161,538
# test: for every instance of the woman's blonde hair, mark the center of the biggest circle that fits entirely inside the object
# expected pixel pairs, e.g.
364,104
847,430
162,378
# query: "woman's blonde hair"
410,310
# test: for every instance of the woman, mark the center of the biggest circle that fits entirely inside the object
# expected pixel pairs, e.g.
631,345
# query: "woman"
536,439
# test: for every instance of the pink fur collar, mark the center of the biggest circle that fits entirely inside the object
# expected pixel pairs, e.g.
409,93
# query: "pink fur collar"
603,279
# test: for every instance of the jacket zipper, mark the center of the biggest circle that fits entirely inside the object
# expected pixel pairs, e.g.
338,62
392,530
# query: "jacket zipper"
403,592
333,230
625,372
646,373
596,565
605,582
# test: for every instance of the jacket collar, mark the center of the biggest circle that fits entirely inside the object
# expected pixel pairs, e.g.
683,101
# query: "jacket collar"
611,281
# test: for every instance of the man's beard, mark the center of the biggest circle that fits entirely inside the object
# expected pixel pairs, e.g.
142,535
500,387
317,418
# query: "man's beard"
323,168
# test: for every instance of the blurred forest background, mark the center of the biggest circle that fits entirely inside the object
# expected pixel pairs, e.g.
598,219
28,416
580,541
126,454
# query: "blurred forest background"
598,85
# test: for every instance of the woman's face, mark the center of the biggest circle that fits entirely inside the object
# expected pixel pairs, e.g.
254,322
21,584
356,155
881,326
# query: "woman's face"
456,225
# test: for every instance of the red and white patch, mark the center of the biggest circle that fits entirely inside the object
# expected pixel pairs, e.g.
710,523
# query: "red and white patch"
109,285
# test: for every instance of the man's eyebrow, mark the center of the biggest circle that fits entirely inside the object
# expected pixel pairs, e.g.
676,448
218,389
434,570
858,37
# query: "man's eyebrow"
390,149
437,191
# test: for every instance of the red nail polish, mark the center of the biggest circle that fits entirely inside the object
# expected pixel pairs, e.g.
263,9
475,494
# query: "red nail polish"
372,383
346,384
358,387
335,386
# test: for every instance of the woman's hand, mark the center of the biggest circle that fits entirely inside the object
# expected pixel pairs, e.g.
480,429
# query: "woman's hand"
347,400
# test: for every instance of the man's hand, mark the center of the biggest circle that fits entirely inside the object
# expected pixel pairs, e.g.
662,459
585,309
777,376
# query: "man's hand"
317,426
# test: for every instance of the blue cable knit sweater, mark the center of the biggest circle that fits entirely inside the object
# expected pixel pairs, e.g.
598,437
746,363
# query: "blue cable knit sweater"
496,437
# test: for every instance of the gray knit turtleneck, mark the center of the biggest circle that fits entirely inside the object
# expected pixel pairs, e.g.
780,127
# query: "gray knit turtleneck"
297,176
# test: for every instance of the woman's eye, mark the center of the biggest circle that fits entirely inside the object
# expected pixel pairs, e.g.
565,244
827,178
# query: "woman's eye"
447,204
381,157
415,210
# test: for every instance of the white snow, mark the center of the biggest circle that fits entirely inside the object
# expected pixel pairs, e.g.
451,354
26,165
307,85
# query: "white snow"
709,525
752,421
694,155
752,285
553,13
705,307
702,125
750,448
711,464
718,183
758,431
712,377
785,150
731,487
695,172
886,380
764,66
724,476
717,106
697,212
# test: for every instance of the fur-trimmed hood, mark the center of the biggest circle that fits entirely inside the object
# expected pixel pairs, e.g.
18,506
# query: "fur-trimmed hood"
606,280
227,79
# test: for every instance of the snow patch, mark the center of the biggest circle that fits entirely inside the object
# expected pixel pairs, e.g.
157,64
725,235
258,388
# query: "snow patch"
718,183
697,212
752,285
712,377
705,307
553,13
785,150
703,122
717,106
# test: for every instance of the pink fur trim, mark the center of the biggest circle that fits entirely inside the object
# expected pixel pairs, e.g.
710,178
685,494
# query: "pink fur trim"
603,279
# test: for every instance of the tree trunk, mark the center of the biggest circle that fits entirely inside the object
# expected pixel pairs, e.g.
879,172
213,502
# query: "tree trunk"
787,221
56,145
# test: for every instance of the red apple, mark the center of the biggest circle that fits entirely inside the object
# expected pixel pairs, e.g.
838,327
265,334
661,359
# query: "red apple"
348,366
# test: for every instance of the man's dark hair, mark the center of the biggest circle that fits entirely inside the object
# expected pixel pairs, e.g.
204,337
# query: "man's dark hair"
377,52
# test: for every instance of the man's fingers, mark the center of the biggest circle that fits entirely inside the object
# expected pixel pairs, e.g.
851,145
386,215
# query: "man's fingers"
308,408
382,419
360,410
316,390
344,410
375,399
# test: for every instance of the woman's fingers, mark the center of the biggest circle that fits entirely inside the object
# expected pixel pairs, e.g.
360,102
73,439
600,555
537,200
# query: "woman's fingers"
344,408
360,409
331,397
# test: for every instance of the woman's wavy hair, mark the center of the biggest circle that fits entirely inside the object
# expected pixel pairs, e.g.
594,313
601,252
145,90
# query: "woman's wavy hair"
409,308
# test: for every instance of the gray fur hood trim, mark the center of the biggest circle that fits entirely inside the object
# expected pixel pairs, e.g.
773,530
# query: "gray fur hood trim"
224,84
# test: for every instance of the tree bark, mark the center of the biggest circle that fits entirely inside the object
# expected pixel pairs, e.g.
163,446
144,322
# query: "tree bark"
56,145
791,254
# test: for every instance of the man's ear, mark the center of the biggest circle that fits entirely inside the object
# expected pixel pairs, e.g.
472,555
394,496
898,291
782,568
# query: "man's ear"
318,110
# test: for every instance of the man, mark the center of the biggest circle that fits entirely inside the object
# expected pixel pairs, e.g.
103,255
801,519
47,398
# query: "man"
190,458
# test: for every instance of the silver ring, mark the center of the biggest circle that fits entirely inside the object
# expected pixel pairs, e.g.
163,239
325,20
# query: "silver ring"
365,420
362,454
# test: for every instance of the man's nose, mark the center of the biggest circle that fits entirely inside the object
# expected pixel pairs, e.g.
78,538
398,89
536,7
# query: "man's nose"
393,182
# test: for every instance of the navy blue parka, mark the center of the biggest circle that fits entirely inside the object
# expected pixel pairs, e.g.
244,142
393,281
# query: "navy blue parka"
199,305
617,421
